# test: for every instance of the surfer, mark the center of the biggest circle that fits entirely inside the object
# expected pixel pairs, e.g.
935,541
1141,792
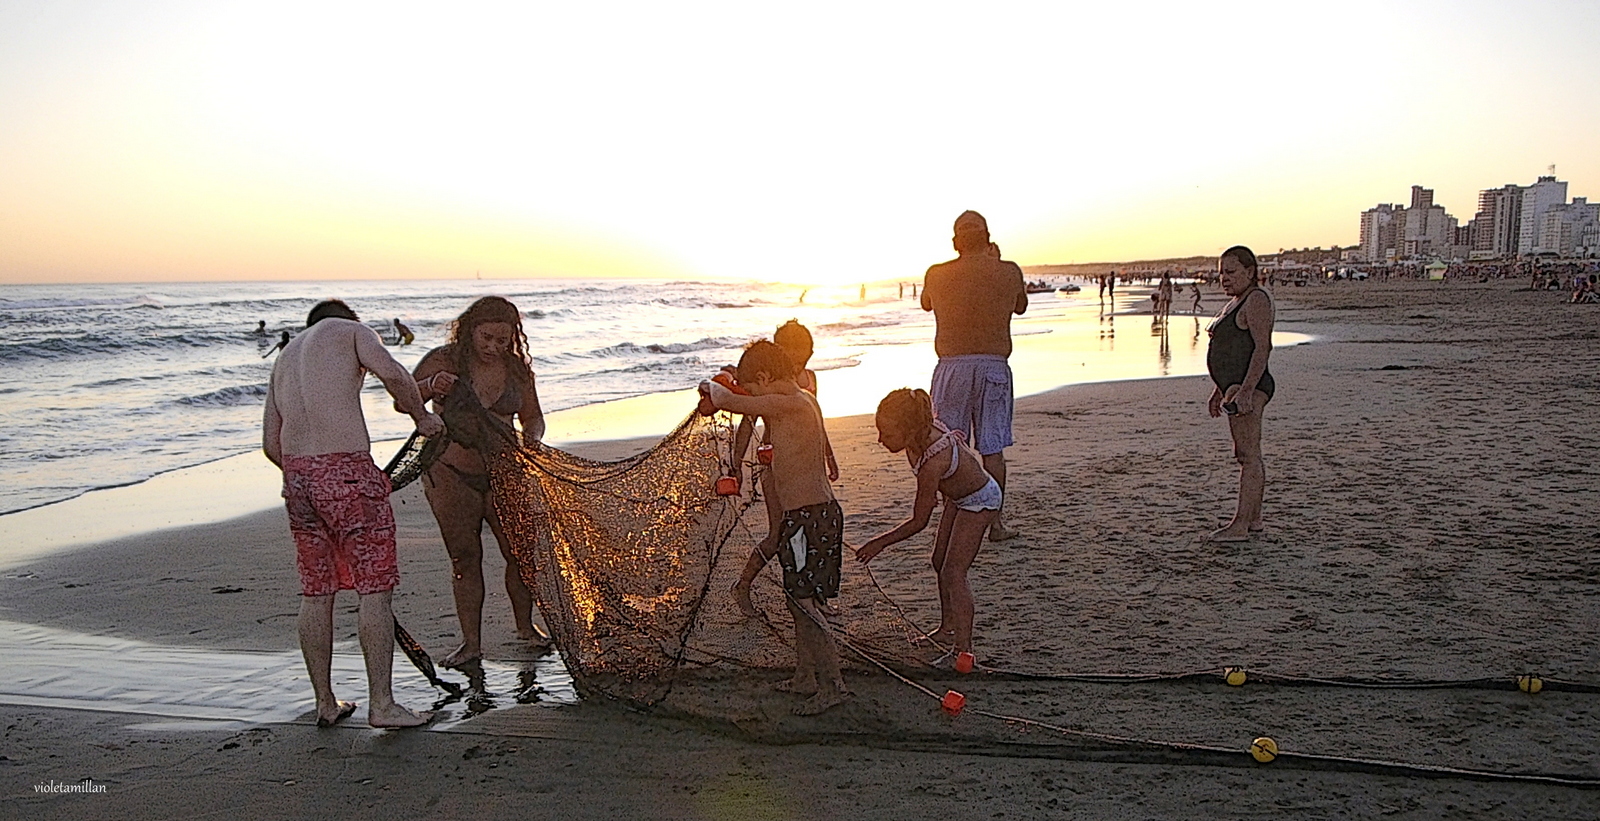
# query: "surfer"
261,328
479,381
337,499
402,334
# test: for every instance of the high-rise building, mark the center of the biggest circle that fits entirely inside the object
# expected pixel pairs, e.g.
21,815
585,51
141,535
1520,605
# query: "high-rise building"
1538,198
1497,227
1569,229
1378,232
1394,232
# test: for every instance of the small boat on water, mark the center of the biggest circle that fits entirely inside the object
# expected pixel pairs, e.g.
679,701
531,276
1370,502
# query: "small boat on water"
1040,287
1069,288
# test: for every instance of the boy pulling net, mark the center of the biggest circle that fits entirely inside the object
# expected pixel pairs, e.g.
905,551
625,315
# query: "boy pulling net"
621,555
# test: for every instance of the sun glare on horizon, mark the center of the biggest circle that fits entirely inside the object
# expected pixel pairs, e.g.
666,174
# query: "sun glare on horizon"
817,144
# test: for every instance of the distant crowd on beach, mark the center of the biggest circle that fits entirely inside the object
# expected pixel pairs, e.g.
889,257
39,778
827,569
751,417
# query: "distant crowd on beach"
478,391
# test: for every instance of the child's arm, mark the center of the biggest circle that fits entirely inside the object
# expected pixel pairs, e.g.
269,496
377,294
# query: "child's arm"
921,510
727,400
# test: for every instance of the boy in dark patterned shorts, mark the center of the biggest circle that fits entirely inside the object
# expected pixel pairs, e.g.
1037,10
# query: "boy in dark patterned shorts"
810,536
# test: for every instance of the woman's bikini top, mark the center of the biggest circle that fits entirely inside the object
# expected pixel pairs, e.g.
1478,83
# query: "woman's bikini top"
469,422
947,439
510,400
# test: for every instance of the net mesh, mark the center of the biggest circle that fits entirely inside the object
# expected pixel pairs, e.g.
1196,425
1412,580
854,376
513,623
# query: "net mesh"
630,562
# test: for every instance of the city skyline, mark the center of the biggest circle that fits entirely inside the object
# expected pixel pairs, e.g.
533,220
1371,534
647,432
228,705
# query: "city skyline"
815,144
1510,221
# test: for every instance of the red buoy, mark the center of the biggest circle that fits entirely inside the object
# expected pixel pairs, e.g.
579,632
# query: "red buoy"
965,662
764,454
728,486
952,703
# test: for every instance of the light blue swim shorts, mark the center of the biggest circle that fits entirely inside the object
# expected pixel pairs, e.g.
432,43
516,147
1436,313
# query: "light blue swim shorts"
972,393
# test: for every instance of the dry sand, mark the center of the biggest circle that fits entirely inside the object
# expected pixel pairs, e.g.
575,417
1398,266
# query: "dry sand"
1431,513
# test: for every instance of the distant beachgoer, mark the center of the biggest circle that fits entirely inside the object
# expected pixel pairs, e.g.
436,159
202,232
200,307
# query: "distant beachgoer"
803,293
812,530
402,333
1111,286
972,298
863,293
795,340
479,381
337,499
261,328
1165,292
1194,291
1241,342
283,342
944,466
1102,279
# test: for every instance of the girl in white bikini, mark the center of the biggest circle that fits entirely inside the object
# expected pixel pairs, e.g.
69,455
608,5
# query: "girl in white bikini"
944,465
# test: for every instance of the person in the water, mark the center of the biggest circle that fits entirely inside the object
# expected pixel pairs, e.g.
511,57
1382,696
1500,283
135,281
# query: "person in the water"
283,342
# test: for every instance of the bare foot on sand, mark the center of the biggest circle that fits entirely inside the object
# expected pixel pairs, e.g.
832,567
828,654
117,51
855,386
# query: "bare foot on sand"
804,687
941,637
339,711
741,599
822,701
461,657
999,533
394,717
536,638
1231,533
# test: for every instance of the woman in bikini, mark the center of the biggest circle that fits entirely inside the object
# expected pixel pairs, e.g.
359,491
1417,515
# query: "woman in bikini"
944,465
1241,342
478,383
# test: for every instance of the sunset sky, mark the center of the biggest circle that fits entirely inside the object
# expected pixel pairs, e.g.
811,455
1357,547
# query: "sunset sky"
805,142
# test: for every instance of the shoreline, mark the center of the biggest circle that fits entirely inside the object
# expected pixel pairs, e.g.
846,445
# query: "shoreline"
242,483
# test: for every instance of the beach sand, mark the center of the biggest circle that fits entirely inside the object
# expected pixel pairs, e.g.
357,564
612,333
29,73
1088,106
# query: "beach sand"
1430,513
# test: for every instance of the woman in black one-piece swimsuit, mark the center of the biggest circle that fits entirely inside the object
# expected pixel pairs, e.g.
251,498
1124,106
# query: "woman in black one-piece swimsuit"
479,382
1241,342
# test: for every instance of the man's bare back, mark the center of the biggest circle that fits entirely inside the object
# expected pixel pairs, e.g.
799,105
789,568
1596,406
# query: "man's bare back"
973,298
314,396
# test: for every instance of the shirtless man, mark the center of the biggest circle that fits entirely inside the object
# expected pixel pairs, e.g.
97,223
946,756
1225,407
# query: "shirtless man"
810,537
338,500
972,298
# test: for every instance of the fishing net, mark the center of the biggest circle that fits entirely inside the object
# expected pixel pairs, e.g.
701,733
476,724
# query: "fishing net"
631,561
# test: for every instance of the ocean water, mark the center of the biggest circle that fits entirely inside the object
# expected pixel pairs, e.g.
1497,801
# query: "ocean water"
110,385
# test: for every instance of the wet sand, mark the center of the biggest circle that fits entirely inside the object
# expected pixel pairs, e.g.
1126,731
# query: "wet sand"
1430,509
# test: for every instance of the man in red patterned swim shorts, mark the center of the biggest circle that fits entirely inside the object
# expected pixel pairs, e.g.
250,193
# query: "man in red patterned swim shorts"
337,499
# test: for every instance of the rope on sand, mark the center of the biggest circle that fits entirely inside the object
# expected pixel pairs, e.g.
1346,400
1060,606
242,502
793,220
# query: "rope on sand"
1527,682
1156,751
